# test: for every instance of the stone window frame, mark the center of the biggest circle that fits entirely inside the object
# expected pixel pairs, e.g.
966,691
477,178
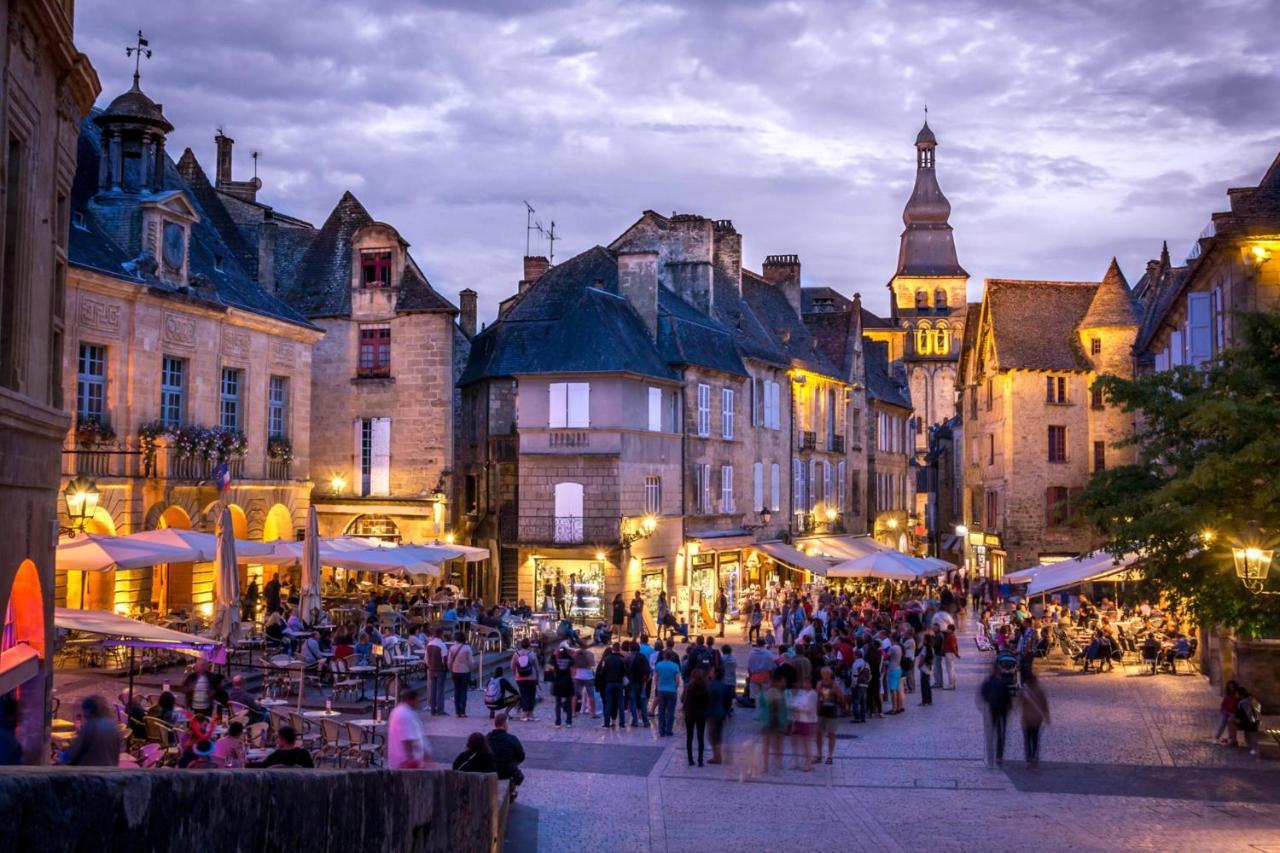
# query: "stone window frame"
173,394
87,381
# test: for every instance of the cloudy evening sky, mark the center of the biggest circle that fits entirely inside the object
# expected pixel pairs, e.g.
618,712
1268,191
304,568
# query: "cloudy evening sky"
1068,131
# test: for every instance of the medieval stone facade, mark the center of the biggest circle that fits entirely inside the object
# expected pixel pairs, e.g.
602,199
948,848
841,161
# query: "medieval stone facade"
175,362
1035,431
48,86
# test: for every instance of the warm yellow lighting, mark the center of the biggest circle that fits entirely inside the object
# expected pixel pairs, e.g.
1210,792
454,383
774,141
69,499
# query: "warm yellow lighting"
962,530
649,524
892,524
337,483
600,556
1253,553
206,610
831,513
1206,536
448,538
1261,253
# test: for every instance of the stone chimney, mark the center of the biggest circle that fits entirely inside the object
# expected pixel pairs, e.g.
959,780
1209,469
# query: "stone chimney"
727,252
267,253
467,315
534,267
783,272
223,171
638,282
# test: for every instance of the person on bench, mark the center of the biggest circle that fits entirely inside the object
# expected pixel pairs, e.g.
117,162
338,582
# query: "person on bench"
500,694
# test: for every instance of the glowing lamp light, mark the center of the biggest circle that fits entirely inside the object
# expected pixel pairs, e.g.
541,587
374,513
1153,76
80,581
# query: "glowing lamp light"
600,556
81,497
448,538
1206,536
337,483
649,524
831,513
892,524
962,530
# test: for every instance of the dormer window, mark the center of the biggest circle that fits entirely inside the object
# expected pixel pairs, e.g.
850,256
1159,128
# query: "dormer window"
78,220
375,268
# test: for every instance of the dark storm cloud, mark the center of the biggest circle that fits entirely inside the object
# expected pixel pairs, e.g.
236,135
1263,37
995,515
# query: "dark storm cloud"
1069,131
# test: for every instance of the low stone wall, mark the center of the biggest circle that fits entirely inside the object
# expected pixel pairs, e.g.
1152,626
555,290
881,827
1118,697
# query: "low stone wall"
1256,665
246,811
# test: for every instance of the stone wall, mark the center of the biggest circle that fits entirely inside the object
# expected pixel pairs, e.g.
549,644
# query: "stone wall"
229,811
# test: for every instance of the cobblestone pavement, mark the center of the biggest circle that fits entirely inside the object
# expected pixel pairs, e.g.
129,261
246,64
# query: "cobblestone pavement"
1128,764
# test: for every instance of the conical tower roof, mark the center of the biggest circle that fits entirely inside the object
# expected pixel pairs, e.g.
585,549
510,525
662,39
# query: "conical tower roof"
1113,303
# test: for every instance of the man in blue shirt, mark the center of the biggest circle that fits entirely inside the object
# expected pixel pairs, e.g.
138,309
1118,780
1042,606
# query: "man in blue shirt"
666,681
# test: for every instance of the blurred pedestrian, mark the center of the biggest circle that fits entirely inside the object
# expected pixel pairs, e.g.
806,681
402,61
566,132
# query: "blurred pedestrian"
97,744
1035,714
697,702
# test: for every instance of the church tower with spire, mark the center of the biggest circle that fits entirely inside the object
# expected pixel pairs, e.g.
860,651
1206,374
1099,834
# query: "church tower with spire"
928,296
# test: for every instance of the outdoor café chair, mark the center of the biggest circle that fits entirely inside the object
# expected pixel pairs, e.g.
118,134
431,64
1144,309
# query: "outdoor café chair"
305,728
365,746
331,746
344,683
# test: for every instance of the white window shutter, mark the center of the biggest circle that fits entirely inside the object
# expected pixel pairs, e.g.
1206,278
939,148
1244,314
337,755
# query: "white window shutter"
775,486
655,410
726,413
380,470
841,485
706,488
757,487
826,482
357,459
558,405
579,404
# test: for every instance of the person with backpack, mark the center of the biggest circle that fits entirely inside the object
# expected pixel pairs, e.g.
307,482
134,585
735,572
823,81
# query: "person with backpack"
611,675
995,698
1248,719
860,676
560,674
638,673
500,694
524,663
437,671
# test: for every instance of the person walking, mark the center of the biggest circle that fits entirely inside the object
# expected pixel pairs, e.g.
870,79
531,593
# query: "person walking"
830,698
722,609
950,654
1227,711
666,684
875,662
460,661
97,744
754,621
729,665
406,743
610,676
924,663
638,676
802,705
771,714
524,663
559,593
697,703
561,677
995,698
717,713
437,671
1035,714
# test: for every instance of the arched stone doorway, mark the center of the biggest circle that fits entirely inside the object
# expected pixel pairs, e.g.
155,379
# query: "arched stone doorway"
93,590
24,657
278,524
171,584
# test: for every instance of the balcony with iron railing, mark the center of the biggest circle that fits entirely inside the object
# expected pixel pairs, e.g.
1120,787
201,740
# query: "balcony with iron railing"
566,530
807,440
570,441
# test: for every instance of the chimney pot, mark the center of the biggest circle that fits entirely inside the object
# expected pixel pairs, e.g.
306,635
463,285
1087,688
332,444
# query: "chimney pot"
223,170
534,267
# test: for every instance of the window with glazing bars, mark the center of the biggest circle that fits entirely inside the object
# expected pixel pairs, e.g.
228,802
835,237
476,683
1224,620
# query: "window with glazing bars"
232,382
173,380
277,405
91,383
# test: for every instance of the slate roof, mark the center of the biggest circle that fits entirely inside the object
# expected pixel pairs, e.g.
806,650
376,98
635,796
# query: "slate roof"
882,385
786,328
93,247
571,320
1113,303
211,203
1034,323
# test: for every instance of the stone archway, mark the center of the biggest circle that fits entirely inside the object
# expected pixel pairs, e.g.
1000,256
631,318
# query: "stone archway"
171,583
92,590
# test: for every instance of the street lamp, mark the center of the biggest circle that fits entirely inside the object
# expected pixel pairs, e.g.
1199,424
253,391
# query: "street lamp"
647,527
81,499
1253,564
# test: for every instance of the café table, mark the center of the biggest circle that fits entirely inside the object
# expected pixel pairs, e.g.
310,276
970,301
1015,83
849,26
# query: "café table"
369,723
323,712
272,703
361,670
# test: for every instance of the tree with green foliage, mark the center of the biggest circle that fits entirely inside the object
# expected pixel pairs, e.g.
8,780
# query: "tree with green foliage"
1207,477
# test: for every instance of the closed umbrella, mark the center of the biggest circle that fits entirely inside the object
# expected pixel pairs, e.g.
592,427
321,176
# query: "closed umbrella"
226,583
309,596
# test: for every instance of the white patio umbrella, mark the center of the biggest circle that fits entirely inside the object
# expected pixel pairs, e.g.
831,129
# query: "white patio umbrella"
309,596
226,583
90,552
205,543
881,565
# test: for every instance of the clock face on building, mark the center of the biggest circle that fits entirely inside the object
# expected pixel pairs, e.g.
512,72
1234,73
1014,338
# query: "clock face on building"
175,245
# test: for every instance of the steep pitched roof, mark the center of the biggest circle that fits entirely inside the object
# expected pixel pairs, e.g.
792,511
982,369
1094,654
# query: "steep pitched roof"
570,320
686,336
219,217
216,273
882,385
785,327
322,287
1113,303
1034,323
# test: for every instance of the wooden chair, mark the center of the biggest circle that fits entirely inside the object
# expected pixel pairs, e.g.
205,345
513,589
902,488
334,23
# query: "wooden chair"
365,745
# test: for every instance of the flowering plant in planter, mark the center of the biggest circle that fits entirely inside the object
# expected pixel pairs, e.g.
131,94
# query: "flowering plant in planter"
279,449
227,443
92,431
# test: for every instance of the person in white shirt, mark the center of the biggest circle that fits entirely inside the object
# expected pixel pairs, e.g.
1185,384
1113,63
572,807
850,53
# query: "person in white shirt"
459,661
406,743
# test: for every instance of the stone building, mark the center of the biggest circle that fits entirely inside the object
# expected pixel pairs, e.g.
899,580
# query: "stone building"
48,86
1190,312
1035,430
699,362
891,475
175,361
382,436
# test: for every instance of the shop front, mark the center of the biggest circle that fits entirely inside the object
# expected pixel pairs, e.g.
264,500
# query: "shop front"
583,582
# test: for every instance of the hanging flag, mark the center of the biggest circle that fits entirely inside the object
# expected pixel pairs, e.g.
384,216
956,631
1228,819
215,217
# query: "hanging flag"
222,476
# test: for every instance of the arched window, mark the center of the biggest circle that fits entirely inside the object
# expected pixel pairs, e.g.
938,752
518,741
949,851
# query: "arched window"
942,340
922,298
940,298
375,527
924,339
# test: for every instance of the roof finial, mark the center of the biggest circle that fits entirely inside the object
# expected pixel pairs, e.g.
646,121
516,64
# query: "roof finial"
138,51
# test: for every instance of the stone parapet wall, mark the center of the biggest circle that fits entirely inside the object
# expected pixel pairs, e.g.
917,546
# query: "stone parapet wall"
238,811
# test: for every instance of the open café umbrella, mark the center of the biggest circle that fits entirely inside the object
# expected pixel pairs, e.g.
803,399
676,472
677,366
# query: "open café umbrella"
90,552
880,565
205,543
226,583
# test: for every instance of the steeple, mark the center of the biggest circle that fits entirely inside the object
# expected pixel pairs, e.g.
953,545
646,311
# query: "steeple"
1113,303
927,247
133,135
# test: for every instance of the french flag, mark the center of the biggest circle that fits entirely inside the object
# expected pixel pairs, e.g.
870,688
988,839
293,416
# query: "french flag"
222,476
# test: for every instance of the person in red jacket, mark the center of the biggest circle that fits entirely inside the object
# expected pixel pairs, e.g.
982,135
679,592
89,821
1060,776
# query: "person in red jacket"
950,652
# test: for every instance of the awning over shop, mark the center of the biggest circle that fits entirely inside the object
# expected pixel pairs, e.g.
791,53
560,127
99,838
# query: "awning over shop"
715,540
784,553
121,631
1095,567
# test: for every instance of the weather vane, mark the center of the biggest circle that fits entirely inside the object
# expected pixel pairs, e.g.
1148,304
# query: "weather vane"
138,51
